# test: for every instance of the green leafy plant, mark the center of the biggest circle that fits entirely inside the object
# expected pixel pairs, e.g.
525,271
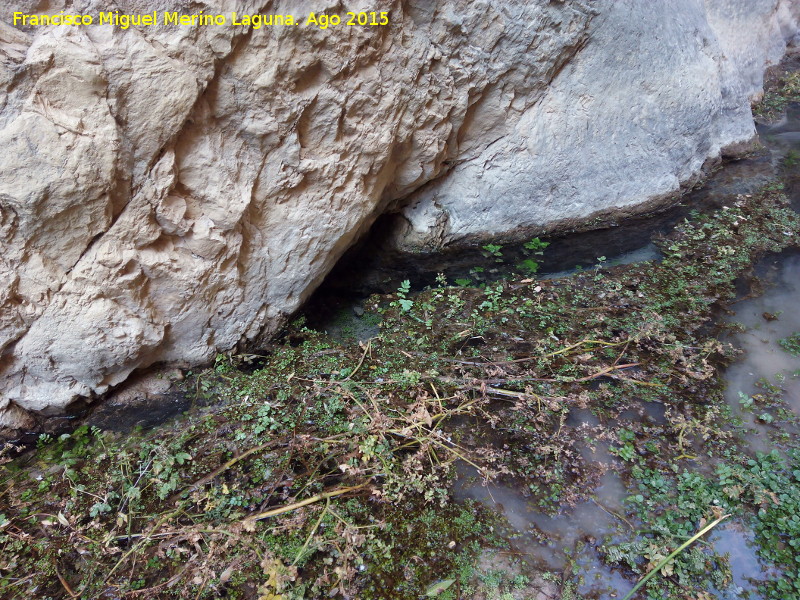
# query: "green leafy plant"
535,246
402,292
328,471
493,251
766,417
791,344
528,266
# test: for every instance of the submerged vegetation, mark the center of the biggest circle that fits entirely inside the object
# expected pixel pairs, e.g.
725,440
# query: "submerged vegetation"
322,469
791,344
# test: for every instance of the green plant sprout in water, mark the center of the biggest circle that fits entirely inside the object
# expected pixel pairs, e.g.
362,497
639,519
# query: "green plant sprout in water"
598,276
535,247
493,251
791,344
529,266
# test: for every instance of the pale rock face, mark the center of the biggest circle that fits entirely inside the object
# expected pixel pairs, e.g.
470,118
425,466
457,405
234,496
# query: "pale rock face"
660,88
167,193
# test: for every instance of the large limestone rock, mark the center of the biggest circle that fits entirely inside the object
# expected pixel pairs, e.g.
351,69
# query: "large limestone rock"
170,192
660,88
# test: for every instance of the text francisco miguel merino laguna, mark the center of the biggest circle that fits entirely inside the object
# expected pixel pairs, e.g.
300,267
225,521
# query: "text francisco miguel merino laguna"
123,21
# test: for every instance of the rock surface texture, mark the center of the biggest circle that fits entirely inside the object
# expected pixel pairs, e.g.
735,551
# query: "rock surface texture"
170,192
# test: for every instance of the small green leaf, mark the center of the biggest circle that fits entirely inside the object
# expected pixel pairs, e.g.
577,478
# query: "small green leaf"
99,508
529,266
438,587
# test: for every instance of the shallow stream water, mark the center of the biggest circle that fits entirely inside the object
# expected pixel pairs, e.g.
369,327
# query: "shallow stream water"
765,320
764,317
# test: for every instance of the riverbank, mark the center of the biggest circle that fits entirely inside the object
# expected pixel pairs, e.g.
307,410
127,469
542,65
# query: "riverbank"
324,469
527,438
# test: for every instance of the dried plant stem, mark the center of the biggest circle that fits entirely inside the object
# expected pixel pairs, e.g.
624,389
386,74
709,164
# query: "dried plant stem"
290,507
675,553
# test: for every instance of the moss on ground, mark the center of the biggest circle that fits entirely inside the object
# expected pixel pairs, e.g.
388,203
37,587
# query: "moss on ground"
325,470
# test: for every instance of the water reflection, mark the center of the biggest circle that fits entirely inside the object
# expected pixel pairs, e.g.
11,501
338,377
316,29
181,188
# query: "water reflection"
766,320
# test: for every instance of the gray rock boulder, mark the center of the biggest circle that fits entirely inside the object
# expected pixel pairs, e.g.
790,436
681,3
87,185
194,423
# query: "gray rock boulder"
659,89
